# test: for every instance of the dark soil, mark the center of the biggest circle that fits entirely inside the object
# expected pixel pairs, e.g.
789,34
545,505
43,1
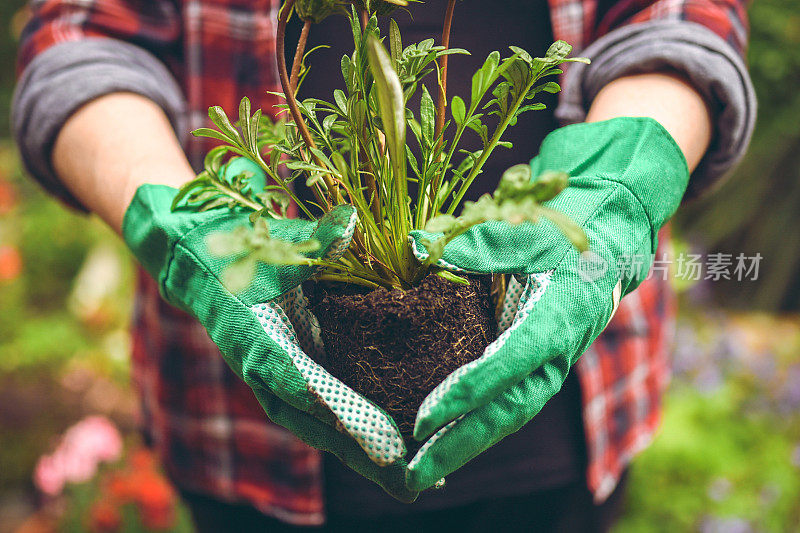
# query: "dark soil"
394,347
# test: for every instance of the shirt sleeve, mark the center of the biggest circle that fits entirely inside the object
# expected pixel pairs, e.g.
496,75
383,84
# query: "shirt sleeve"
704,40
73,52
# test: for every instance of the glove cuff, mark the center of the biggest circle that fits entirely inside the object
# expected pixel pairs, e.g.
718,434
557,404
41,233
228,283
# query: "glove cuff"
636,152
151,229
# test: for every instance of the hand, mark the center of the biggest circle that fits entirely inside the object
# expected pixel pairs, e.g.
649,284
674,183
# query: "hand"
627,178
255,329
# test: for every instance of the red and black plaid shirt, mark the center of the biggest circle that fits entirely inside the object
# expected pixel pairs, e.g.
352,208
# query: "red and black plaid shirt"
210,430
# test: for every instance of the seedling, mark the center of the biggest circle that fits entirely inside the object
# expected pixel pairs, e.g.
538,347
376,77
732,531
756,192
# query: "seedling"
366,146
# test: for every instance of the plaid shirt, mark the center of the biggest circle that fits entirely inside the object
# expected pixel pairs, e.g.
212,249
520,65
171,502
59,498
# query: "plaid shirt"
207,425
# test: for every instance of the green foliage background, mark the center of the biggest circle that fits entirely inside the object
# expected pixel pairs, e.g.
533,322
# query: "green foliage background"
756,209
728,456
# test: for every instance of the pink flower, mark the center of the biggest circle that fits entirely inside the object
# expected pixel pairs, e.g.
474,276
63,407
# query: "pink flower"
47,476
94,437
83,447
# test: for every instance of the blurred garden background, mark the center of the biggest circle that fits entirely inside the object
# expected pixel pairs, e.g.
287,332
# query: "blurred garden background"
728,456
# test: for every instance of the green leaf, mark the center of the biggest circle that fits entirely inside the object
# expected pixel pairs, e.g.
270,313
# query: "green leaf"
238,275
392,111
531,107
568,227
224,244
412,161
522,54
327,124
255,215
427,116
449,276
182,193
213,134
451,51
347,68
314,178
484,77
341,100
549,184
395,43
440,224
549,87
254,125
218,117
458,109
340,163
518,175
244,110
302,165
213,159
558,50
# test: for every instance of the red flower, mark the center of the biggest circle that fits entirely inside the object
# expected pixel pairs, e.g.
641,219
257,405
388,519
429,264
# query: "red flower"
10,263
156,500
120,488
104,517
8,197
142,459
158,519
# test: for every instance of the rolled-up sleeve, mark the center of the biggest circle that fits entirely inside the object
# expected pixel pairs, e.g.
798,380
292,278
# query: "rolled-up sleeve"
74,52
704,40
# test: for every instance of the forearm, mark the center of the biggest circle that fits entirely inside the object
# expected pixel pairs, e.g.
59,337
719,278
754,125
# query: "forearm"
707,61
667,98
112,145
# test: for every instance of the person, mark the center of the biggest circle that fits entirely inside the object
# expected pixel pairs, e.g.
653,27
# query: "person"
108,90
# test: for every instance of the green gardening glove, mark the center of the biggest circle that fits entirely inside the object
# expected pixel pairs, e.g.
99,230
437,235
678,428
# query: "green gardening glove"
255,329
627,178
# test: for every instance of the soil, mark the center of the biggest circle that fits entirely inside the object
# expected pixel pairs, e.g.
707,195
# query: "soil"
394,347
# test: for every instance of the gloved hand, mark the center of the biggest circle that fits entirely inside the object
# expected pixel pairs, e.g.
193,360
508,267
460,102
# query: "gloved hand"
255,329
627,178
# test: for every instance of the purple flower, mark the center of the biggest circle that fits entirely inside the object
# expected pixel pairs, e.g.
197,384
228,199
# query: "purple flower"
719,489
789,397
708,380
713,524
770,493
764,367
796,456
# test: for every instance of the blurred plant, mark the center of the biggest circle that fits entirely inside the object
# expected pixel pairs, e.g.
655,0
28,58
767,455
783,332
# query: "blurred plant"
8,197
141,483
728,456
10,263
768,180
84,446
131,495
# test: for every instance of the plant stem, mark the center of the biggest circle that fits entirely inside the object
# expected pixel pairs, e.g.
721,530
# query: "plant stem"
372,188
489,148
442,103
352,275
294,109
240,198
364,18
298,55
287,189
344,278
